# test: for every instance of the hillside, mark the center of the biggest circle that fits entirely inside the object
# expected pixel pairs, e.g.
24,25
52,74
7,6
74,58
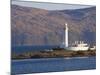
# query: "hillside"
33,26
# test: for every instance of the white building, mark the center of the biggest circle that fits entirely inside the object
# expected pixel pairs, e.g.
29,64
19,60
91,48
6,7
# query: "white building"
78,45
66,35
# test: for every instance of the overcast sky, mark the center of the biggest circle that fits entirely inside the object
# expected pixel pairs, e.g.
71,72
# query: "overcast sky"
49,6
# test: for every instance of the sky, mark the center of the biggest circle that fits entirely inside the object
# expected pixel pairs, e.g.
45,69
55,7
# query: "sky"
49,6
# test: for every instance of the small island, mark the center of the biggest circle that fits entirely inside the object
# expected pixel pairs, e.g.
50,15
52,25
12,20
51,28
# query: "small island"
54,54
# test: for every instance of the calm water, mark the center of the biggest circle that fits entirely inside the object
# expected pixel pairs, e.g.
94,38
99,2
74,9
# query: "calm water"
52,64
21,49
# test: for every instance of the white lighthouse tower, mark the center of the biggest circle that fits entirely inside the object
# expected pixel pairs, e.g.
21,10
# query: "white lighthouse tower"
66,35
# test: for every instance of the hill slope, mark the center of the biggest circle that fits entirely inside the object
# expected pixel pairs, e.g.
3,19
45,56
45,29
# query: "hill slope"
33,26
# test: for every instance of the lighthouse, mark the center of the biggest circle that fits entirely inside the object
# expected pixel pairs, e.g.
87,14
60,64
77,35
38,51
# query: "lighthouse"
66,35
77,46
65,41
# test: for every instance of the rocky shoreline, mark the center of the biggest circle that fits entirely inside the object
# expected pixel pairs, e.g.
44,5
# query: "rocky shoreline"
53,54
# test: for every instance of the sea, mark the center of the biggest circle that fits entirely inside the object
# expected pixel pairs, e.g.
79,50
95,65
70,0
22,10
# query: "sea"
28,66
21,49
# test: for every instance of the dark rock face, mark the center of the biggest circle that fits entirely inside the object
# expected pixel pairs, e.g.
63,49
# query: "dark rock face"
33,26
